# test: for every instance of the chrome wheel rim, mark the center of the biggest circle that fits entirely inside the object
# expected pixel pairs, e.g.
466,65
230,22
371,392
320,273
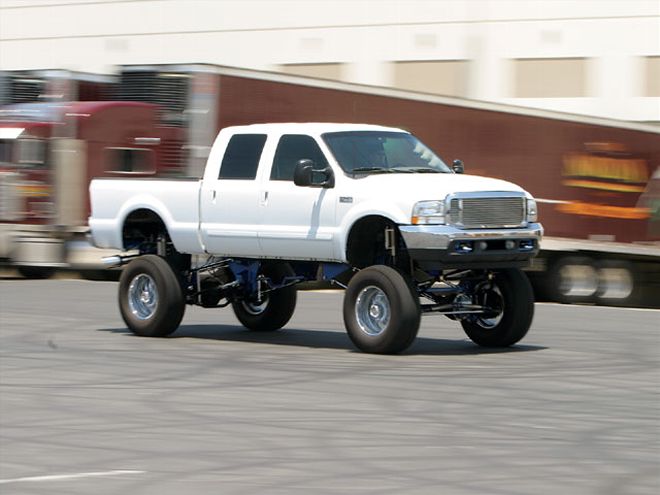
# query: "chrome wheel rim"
372,310
142,296
255,308
492,298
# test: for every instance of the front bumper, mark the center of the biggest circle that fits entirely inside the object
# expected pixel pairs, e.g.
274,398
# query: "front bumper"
440,246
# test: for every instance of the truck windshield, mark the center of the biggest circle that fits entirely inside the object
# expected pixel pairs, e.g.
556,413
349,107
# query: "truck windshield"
32,112
367,152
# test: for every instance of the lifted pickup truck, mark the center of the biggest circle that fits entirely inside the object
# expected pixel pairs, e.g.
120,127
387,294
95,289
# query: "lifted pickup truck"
368,208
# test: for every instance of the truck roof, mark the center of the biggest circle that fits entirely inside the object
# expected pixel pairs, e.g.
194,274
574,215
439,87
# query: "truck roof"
310,127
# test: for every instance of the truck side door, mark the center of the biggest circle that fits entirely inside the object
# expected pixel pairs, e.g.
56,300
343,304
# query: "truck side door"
296,222
229,203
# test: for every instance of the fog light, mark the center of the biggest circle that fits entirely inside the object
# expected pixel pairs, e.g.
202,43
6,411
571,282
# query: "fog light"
482,246
464,247
510,244
527,245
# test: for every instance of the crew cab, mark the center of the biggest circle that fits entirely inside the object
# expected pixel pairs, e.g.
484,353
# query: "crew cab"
368,208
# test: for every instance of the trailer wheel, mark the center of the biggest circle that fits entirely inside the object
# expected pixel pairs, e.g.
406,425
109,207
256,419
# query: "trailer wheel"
381,311
511,300
102,275
36,272
275,308
151,300
618,284
573,279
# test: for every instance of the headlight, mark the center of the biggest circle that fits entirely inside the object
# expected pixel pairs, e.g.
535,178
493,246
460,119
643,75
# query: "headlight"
532,210
428,212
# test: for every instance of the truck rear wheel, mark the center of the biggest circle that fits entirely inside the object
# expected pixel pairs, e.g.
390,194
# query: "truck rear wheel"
381,311
275,308
151,300
510,298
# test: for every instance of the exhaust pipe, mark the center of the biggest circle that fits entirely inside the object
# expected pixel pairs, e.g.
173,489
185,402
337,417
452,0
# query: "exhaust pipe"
112,261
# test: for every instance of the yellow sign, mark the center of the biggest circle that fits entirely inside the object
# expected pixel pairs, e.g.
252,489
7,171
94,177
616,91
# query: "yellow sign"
616,174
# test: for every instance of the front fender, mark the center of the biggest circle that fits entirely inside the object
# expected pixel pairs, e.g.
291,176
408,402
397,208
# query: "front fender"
368,208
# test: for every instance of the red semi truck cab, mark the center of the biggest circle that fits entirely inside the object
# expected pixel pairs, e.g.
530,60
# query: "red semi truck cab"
49,152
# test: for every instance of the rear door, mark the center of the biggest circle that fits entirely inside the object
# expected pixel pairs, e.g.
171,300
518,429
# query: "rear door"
230,202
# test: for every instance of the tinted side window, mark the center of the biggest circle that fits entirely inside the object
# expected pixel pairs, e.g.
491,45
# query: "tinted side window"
242,156
129,160
291,149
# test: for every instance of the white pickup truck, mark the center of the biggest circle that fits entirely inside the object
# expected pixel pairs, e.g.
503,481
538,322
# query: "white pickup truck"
368,208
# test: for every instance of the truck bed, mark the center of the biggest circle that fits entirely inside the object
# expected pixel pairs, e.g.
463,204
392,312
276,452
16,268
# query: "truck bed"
176,201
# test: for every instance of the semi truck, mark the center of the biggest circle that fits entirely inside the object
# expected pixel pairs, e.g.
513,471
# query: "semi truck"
369,208
49,153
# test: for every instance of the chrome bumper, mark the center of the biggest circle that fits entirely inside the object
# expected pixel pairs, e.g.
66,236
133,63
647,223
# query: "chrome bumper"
441,236
443,246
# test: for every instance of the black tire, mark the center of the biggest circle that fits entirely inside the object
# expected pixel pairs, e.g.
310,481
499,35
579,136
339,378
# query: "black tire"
381,311
151,277
36,272
276,308
511,296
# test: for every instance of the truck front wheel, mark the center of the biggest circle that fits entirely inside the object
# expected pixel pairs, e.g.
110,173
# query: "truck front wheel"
381,311
509,300
275,308
151,300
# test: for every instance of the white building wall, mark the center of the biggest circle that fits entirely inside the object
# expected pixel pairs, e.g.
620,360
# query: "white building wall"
366,37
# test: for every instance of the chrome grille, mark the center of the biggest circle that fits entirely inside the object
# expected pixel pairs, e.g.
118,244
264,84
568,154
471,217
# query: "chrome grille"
487,212
169,91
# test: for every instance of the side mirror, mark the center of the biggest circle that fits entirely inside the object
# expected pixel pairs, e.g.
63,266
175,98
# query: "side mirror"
457,167
307,175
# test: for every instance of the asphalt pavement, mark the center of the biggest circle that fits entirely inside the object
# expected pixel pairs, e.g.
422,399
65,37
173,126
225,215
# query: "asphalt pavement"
88,408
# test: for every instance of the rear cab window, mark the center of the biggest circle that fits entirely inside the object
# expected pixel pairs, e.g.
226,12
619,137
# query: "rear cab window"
241,158
129,160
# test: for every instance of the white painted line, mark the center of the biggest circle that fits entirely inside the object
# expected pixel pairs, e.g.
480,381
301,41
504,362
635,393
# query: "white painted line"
59,477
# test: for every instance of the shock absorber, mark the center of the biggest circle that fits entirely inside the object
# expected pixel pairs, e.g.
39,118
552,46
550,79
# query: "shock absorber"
161,245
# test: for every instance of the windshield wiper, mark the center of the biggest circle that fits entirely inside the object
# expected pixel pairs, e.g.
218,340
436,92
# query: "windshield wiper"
420,170
378,170
396,170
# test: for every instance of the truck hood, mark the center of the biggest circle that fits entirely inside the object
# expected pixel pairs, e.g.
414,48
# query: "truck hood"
410,188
